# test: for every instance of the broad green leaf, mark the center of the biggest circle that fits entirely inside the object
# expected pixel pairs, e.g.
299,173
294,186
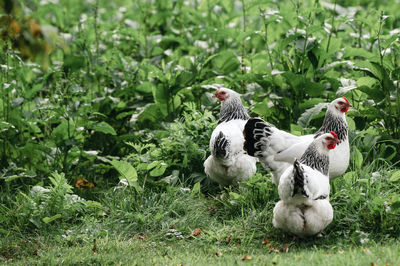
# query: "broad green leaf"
12,178
47,220
366,81
123,115
93,204
161,98
307,116
311,103
152,165
334,45
286,41
209,59
73,62
296,130
226,62
159,169
183,79
395,205
314,89
357,157
259,63
313,58
157,51
60,133
177,102
261,109
395,176
104,127
389,41
313,28
126,170
370,67
295,80
170,41
32,92
351,123
145,87
196,190
150,116
357,52
349,176
234,195
375,93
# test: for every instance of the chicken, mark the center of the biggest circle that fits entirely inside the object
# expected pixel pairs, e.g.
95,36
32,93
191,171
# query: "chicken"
304,208
228,163
277,149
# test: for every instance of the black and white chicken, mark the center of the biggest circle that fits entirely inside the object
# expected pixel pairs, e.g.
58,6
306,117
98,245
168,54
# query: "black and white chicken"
228,163
277,149
304,208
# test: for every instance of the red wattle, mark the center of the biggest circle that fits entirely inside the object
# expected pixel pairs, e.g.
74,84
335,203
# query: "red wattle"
344,110
331,146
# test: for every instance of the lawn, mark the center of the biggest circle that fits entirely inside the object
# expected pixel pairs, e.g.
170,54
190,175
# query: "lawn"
106,113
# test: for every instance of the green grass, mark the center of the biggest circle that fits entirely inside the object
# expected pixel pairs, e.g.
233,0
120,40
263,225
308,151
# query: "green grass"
194,252
155,227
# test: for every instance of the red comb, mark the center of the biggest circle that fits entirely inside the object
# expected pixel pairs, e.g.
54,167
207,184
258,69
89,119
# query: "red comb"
333,134
346,99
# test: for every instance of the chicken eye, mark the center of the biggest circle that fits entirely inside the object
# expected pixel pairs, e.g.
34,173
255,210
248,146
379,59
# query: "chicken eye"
223,92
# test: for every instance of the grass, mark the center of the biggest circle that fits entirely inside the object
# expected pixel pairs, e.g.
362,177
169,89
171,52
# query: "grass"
157,225
194,252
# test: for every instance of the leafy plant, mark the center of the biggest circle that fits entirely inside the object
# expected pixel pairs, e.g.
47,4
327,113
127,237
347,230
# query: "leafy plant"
44,206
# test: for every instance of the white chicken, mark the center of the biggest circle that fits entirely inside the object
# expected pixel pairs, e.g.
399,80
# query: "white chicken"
228,163
277,149
304,208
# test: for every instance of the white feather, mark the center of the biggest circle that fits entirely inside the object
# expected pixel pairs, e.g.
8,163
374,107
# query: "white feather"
236,166
301,215
280,148
305,210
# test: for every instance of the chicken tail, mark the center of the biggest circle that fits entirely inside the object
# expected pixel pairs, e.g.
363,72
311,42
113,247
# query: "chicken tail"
221,146
299,184
256,133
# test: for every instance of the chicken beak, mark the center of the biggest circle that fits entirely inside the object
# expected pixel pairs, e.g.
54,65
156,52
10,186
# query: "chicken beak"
347,102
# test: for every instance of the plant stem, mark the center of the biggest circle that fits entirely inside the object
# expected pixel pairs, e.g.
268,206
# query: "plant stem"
96,31
360,28
266,38
379,39
332,29
388,120
330,32
242,66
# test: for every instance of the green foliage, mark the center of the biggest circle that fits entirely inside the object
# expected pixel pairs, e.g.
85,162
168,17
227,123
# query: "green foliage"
134,72
173,153
47,206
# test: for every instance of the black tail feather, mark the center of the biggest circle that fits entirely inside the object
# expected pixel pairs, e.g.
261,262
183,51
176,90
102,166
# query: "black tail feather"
298,176
254,130
221,146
